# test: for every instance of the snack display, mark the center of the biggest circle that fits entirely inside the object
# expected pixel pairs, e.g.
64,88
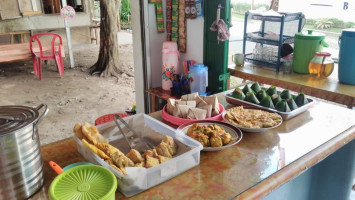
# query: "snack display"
252,118
155,168
192,106
91,138
270,98
209,135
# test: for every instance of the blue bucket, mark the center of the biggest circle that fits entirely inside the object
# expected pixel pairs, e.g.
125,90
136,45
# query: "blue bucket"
346,68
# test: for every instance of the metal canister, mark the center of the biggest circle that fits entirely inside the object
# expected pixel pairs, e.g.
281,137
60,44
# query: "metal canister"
21,166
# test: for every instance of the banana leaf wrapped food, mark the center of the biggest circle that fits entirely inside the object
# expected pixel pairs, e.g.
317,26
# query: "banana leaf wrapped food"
261,94
238,94
247,89
250,97
291,103
285,94
301,99
267,102
282,106
271,90
256,87
275,98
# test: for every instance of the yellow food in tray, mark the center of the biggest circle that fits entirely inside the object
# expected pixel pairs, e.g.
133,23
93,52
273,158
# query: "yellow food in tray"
252,118
209,136
91,138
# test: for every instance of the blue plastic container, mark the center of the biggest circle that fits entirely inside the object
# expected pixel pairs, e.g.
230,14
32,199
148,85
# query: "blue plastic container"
346,68
199,75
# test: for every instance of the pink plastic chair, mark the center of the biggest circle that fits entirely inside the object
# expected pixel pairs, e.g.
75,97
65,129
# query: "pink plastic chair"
44,54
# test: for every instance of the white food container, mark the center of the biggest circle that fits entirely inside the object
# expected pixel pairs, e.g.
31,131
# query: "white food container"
139,179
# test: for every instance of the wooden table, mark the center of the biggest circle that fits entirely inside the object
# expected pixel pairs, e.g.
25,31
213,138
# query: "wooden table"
329,88
159,93
260,164
18,52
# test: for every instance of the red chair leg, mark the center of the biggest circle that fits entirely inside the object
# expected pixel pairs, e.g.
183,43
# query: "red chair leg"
34,62
39,69
59,62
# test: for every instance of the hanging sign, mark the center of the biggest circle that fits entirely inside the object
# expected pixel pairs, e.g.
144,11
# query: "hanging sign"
67,12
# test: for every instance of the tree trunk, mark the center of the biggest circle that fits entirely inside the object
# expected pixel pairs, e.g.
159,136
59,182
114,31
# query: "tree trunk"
108,62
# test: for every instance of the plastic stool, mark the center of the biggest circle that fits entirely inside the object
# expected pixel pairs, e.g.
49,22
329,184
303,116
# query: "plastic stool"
108,118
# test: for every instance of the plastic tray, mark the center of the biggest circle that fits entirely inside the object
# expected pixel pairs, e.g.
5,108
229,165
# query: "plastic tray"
285,115
139,179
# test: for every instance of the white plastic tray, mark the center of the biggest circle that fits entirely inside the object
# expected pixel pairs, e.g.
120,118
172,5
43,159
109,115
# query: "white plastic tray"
139,179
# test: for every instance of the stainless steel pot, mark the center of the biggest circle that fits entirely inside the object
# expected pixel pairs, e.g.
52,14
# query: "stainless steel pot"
21,168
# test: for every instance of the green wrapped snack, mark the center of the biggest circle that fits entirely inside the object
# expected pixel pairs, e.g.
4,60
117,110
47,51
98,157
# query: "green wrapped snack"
261,94
255,87
301,99
275,98
291,103
238,94
271,91
267,102
285,94
250,97
282,106
247,89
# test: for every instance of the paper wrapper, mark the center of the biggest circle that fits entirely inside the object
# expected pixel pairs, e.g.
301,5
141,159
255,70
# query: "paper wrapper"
200,102
189,97
181,110
208,109
196,113
170,106
188,103
213,100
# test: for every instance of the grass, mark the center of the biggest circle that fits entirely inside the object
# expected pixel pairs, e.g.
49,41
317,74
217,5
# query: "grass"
334,30
239,16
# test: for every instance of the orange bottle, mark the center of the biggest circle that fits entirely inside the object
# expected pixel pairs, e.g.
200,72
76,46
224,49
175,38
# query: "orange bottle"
321,64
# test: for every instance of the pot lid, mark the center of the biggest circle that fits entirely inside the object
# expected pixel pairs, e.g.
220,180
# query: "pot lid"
310,35
350,32
15,117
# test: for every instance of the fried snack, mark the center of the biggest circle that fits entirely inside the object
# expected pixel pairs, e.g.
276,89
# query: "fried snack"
164,149
141,164
92,134
135,156
123,171
77,131
96,150
121,160
117,156
170,141
226,138
163,159
151,161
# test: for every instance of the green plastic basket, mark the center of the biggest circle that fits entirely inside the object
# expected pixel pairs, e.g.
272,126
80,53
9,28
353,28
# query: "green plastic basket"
85,182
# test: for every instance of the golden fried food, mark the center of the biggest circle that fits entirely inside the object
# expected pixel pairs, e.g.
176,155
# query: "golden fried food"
77,131
96,150
164,149
209,136
121,160
135,156
123,171
141,164
92,134
170,141
109,149
251,118
163,159
151,161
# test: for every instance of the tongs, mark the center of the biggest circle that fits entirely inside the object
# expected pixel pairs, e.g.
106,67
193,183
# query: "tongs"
141,141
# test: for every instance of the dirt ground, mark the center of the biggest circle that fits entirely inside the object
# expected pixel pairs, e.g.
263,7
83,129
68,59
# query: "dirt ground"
77,97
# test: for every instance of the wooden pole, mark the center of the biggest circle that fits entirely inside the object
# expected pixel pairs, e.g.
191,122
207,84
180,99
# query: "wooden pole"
67,30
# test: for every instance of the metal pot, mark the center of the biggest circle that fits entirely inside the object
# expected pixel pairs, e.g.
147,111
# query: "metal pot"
21,166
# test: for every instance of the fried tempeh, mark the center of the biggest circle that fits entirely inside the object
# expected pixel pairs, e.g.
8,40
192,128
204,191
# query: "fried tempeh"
77,131
135,156
151,161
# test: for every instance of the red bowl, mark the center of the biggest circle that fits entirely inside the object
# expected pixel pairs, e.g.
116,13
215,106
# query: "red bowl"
179,121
